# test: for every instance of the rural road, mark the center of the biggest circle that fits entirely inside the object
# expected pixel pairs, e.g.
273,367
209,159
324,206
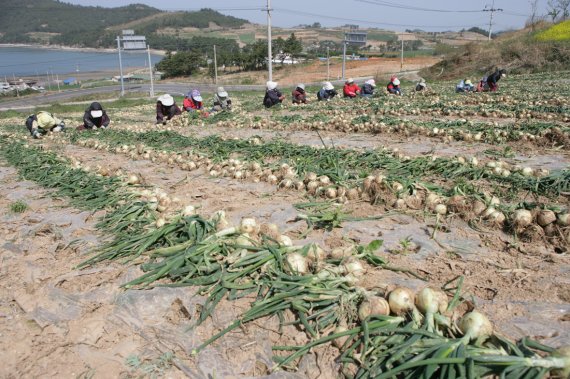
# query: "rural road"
29,102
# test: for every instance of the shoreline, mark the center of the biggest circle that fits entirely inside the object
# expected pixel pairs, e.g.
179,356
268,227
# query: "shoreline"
70,48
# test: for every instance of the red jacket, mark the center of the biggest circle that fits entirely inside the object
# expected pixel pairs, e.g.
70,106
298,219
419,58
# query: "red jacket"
190,103
350,90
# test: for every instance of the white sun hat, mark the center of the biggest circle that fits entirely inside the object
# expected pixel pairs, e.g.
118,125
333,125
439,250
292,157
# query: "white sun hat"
271,85
301,85
372,82
350,80
166,100
96,113
222,92
396,82
328,86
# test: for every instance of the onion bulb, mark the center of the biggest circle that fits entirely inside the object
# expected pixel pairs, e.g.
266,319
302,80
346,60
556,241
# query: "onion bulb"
160,222
297,263
342,252
522,218
475,325
431,300
563,219
219,218
244,240
315,254
373,306
401,300
441,209
248,225
352,266
133,179
284,240
546,217
189,210
270,230
527,171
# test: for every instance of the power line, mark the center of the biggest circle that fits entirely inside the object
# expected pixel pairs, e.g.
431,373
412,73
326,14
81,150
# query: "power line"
413,8
297,12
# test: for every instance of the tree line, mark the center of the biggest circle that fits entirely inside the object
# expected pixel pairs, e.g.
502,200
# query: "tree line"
251,57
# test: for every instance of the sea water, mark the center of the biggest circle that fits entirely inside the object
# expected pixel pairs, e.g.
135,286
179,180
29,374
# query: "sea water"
33,61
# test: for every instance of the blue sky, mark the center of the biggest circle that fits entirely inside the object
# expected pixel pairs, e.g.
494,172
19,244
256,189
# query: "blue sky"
460,14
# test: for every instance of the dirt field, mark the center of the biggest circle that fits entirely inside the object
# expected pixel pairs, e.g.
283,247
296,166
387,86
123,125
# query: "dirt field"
60,321
317,71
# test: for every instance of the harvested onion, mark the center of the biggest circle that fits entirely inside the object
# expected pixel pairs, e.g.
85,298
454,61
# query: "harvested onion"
249,226
401,301
475,325
373,306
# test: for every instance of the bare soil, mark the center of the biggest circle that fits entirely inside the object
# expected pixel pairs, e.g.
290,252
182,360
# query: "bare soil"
56,320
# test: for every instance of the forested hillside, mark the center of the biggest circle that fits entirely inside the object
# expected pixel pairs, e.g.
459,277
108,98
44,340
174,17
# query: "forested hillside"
56,22
20,17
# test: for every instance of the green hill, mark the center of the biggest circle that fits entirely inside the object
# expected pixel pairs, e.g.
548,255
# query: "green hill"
25,17
56,22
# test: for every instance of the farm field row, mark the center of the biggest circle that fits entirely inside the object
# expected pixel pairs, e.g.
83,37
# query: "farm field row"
263,240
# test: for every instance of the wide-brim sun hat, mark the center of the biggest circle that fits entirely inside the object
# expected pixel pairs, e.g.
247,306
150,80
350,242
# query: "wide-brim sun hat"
350,80
328,86
44,119
301,85
271,85
396,82
468,82
166,100
422,84
372,82
97,113
221,92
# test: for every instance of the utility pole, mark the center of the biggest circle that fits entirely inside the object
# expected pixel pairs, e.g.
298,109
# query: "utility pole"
343,58
16,85
402,53
57,80
269,53
328,64
215,66
48,82
492,10
121,66
150,71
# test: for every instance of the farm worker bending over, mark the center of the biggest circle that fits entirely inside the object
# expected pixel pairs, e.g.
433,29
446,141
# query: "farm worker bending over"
464,86
299,95
272,96
95,117
350,89
368,88
493,79
193,101
327,92
222,101
394,87
166,108
421,85
43,122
